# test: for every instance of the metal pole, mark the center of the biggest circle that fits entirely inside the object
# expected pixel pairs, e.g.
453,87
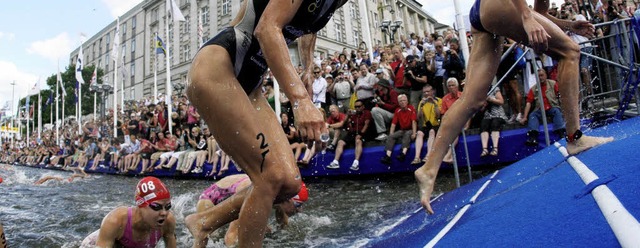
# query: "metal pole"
455,165
13,111
466,152
541,102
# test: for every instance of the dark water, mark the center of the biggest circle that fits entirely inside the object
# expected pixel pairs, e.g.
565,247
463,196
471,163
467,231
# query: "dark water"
339,213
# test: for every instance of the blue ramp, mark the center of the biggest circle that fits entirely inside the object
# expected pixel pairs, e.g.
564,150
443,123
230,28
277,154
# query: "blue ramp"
540,201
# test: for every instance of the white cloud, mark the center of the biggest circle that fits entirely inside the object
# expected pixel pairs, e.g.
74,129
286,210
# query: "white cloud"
52,49
8,36
119,7
9,73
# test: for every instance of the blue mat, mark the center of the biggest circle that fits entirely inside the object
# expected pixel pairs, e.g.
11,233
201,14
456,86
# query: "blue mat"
539,201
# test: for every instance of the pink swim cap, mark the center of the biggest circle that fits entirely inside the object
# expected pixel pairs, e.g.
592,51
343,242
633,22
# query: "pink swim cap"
303,194
150,189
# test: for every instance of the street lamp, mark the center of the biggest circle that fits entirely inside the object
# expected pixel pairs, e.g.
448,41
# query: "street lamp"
104,89
390,28
178,87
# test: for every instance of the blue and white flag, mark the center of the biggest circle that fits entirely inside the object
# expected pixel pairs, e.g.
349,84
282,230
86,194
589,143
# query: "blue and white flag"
79,67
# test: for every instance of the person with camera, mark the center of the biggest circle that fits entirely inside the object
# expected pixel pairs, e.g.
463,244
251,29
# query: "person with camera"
454,61
341,90
386,100
357,124
429,120
416,74
397,71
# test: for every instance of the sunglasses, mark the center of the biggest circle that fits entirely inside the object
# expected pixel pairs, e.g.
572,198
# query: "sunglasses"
316,72
358,106
157,207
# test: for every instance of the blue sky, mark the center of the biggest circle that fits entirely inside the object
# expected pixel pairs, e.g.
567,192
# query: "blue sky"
35,35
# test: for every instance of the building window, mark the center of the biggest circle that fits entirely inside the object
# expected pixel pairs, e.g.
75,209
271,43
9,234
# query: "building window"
133,45
124,52
108,37
133,23
133,92
356,38
186,53
170,32
187,25
154,15
132,72
107,61
204,15
124,31
338,32
352,10
226,7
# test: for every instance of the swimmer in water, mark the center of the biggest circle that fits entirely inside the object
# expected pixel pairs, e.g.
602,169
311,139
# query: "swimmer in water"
228,186
142,225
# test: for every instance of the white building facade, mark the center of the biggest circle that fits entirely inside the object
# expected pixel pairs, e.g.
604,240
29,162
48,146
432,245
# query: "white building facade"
357,23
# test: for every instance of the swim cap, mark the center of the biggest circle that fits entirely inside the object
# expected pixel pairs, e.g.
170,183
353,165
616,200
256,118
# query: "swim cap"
0,179
303,195
150,189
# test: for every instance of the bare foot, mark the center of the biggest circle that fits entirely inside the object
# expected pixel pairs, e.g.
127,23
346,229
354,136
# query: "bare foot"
195,227
448,158
586,142
425,183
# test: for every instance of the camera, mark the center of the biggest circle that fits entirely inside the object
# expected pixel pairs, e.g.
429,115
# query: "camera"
374,100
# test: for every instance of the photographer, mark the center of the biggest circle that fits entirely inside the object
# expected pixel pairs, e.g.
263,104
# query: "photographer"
341,90
416,74
454,61
386,100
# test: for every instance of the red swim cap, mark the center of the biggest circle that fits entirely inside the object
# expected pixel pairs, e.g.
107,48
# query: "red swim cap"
150,189
0,179
303,195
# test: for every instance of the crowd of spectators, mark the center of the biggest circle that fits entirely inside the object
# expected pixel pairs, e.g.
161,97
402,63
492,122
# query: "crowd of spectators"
395,91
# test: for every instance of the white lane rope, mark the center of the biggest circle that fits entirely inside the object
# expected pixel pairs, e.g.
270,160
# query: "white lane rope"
624,225
460,213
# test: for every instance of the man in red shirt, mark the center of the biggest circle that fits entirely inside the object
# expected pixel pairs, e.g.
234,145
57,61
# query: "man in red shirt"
335,123
405,119
551,108
397,72
358,122
447,102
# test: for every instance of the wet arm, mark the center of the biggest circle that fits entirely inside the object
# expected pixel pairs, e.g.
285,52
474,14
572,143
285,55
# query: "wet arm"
306,46
269,34
169,234
109,231
542,7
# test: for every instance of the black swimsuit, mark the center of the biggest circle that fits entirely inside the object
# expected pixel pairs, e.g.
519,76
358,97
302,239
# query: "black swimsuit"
247,58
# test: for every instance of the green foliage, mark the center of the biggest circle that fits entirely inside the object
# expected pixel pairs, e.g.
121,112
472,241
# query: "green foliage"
68,82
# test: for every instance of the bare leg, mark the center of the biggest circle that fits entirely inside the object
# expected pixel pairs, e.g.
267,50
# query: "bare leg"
432,136
419,143
358,147
259,148
495,136
481,70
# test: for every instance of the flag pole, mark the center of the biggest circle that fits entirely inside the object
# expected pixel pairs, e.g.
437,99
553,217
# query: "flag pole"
57,107
115,78
28,115
155,70
123,79
80,82
168,64
39,113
